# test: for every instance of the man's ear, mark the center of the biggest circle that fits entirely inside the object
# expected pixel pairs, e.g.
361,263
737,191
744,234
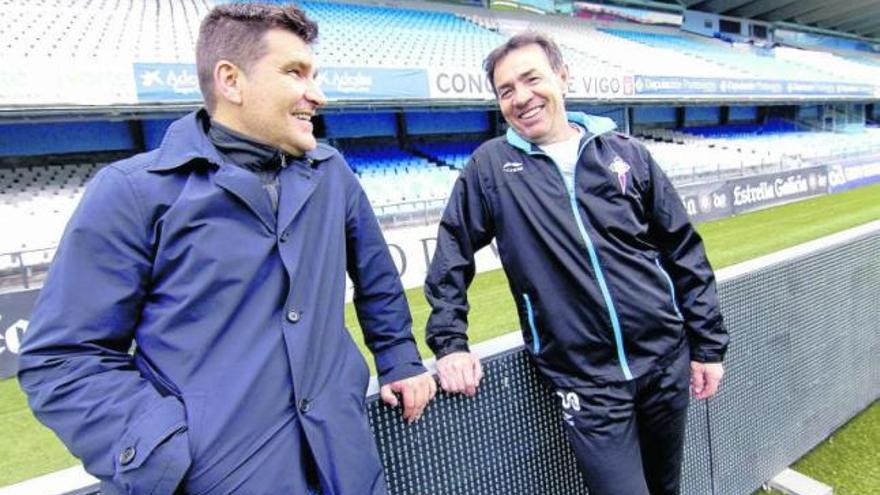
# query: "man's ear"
228,81
564,76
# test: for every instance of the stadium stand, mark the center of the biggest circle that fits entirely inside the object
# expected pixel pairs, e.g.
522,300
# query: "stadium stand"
864,68
158,31
455,155
35,203
743,59
585,47
398,182
355,35
42,195
689,154
662,51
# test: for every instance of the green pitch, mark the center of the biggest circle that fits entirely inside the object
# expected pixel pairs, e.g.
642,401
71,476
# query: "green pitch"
30,450
848,459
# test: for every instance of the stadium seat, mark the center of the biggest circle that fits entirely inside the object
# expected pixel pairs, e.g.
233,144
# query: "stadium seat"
36,203
692,153
454,154
354,35
391,176
746,61
159,31
357,35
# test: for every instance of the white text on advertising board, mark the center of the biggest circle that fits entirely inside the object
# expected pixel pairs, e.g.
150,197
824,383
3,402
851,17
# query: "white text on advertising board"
704,203
181,82
602,85
764,191
345,81
857,172
450,83
10,338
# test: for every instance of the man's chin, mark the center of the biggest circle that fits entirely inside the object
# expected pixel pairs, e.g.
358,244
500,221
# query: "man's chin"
533,135
301,147
529,133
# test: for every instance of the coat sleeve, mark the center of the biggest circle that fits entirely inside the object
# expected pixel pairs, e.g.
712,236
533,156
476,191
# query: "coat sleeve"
379,299
75,364
684,257
466,226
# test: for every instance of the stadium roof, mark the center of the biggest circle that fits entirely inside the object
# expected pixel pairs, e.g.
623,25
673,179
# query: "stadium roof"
855,17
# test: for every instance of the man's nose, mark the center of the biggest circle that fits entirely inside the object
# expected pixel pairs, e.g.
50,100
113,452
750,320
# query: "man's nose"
521,96
315,95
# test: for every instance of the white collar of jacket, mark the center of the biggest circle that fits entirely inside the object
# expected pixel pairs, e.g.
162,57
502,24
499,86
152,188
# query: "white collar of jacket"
186,140
593,124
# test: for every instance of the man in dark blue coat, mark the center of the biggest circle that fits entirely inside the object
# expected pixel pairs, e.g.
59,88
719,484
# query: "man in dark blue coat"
616,298
222,255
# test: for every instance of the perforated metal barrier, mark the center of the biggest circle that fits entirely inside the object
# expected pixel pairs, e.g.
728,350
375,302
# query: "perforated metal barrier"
805,328
804,359
506,440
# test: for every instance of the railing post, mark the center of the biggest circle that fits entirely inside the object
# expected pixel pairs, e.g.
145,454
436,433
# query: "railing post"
23,270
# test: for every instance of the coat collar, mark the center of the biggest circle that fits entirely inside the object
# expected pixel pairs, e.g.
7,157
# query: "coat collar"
187,140
593,124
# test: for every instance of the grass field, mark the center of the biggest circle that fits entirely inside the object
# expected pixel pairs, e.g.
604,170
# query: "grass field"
849,459
852,454
29,450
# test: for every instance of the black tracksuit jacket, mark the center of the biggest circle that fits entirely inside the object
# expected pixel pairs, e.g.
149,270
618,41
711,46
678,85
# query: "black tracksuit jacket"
609,276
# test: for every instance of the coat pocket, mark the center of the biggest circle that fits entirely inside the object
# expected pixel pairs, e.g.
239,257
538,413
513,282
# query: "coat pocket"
151,455
194,405
671,287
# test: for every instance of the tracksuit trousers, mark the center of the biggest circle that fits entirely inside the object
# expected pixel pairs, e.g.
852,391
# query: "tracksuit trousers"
628,437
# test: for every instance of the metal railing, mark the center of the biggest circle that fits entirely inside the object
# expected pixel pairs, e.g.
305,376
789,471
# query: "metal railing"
24,269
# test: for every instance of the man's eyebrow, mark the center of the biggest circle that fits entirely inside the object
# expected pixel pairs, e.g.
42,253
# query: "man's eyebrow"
298,64
523,75
507,84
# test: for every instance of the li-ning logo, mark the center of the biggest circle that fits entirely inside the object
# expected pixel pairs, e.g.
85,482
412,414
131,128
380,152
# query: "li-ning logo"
512,167
621,168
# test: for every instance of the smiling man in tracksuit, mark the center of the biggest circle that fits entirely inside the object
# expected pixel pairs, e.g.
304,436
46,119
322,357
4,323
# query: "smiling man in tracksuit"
616,298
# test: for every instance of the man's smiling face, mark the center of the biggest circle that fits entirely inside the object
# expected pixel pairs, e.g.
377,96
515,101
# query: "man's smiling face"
280,94
530,95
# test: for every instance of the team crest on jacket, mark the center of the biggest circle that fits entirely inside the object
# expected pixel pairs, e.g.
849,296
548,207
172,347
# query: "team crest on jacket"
512,167
621,168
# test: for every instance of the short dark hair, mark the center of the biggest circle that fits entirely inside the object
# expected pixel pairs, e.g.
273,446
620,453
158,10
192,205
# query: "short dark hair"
235,31
526,38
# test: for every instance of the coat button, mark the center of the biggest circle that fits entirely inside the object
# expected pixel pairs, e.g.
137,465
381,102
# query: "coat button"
127,455
285,235
293,316
305,405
